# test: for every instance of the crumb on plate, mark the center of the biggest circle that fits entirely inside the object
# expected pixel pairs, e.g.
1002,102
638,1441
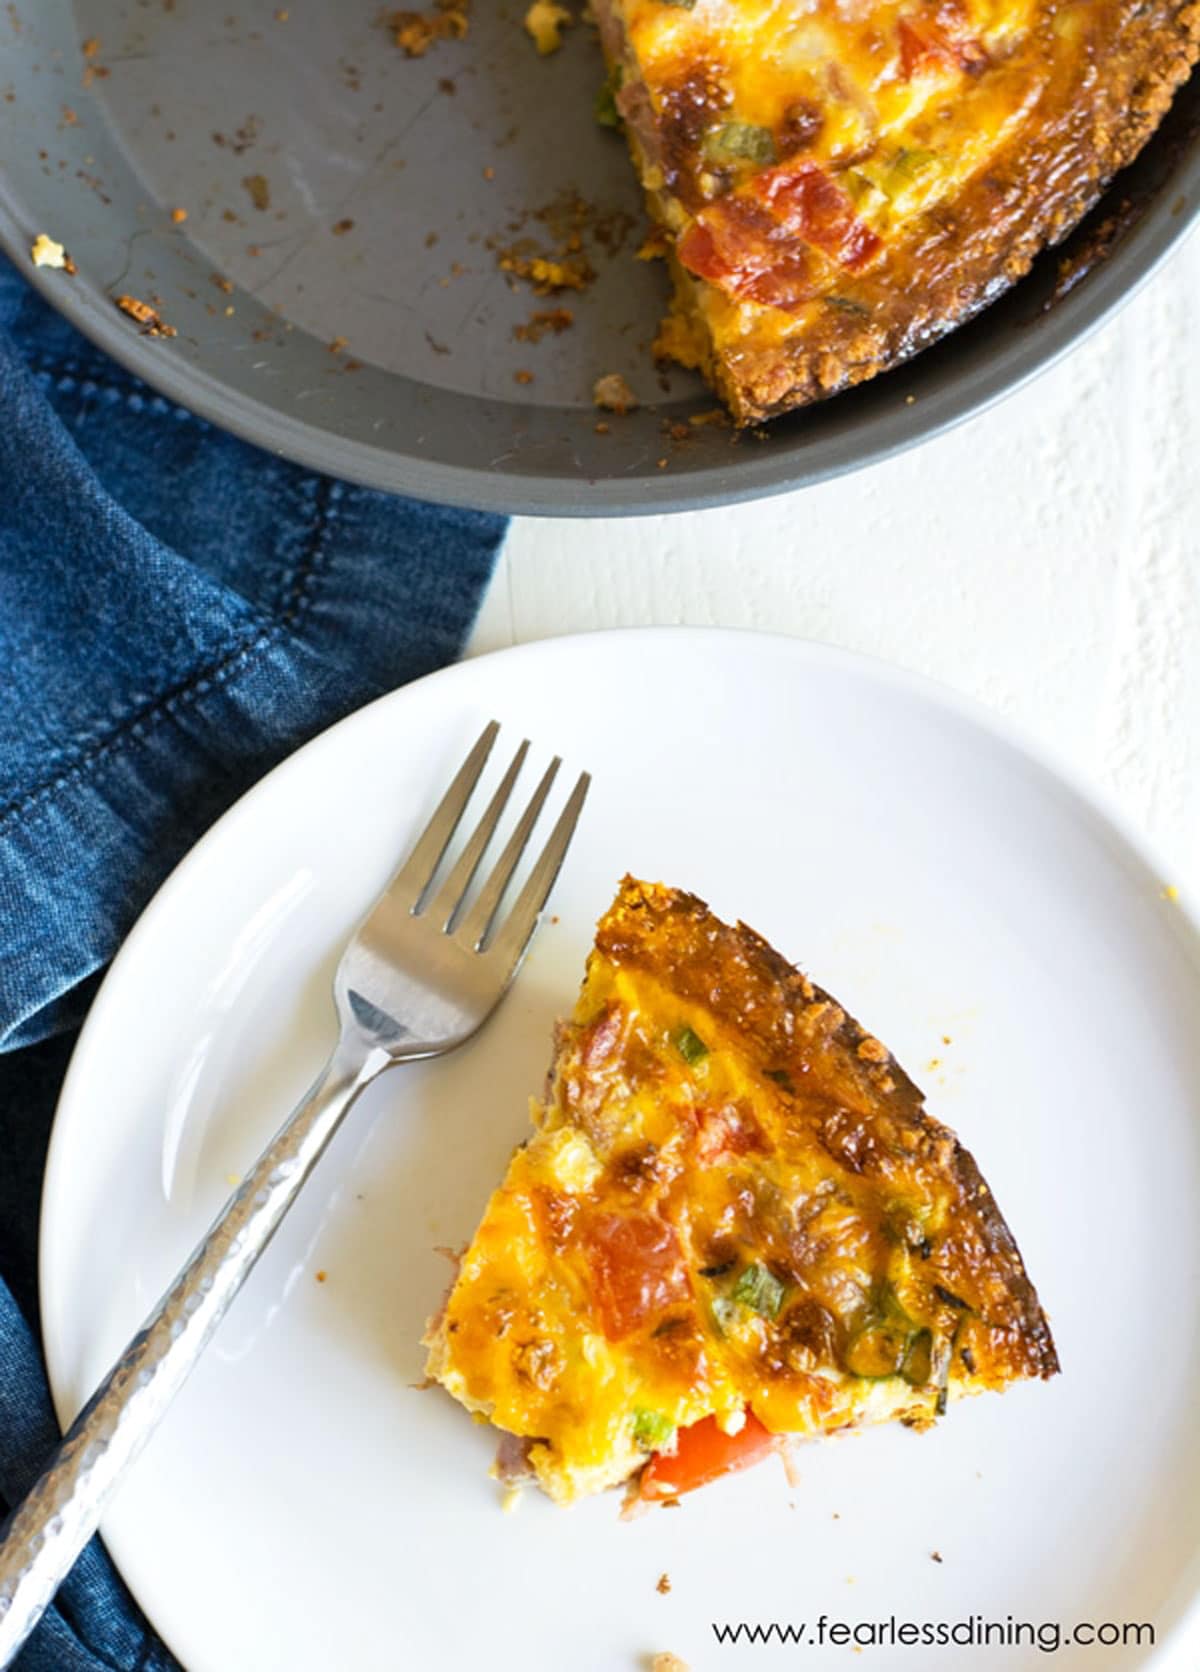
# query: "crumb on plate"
935,1556
664,1584
667,1662
179,216
321,1276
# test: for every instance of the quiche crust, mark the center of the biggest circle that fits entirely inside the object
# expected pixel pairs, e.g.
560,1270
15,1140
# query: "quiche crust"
733,1204
842,186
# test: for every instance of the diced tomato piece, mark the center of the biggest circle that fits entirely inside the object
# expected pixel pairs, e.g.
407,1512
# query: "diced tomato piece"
786,283
915,49
729,1130
636,1268
743,264
811,206
700,254
939,39
704,1453
739,242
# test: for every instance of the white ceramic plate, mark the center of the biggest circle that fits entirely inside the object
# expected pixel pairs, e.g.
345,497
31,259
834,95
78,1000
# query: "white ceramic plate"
306,1509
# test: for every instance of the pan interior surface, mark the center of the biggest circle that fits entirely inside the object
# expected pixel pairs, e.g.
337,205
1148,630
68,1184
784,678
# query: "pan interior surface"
336,233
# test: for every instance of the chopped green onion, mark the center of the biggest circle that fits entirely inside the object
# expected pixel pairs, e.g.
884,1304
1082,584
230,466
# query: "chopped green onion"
652,1430
690,1046
847,304
738,142
889,1343
759,1290
605,108
917,1364
906,167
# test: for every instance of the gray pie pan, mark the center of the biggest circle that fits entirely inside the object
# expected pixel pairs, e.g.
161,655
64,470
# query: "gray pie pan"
335,287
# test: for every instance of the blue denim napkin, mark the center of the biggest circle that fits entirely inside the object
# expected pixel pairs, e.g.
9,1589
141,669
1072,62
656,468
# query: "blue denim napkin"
178,611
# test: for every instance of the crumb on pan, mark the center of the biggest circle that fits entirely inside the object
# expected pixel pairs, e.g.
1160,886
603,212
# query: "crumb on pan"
44,252
544,273
613,394
544,22
179,216
151,321
259,190
543,320
415,32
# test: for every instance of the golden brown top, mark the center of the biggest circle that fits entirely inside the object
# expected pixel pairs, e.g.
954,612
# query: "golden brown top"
733,1199
850,179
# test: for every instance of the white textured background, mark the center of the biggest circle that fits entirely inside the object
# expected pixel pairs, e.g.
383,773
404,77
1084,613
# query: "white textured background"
1044,558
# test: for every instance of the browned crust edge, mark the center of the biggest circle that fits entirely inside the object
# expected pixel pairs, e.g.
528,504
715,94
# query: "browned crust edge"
779,992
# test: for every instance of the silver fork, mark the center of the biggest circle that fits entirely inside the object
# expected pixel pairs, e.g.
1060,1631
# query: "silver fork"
424,971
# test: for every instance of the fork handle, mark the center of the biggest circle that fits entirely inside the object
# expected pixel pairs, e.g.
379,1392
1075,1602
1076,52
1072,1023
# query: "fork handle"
47,1532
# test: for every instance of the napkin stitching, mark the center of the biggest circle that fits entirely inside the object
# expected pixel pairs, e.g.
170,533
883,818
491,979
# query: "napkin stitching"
137,396
296,595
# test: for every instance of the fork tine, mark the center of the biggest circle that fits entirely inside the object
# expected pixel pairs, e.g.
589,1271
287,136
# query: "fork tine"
419,869
514,936
478,920
452,894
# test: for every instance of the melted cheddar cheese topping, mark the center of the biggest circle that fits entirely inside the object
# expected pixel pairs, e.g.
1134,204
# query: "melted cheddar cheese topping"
731,1202
847,179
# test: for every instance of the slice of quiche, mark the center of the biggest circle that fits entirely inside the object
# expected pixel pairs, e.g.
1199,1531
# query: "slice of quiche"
734,1221
841,184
